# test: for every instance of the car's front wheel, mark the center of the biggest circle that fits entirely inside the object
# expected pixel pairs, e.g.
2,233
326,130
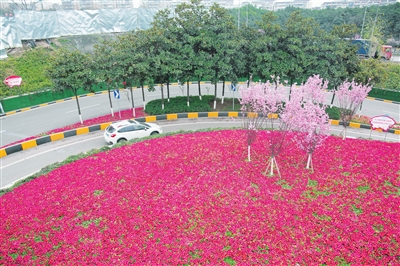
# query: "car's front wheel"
154,133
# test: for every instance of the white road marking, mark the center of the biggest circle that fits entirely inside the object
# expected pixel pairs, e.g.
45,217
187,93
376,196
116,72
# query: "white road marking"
53,149
385,111
388,136
83,108
2,131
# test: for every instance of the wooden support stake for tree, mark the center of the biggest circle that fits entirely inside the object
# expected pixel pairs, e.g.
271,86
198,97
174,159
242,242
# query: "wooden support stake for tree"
310,163
271,164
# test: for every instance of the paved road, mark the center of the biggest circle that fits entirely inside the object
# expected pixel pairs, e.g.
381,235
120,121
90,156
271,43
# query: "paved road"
395,58
37,121
25,163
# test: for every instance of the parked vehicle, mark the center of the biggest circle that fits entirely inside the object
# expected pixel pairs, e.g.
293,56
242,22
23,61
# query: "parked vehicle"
367,49
129,129
386,52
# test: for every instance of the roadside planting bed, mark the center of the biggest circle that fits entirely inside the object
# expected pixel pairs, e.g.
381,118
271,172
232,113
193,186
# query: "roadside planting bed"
189,199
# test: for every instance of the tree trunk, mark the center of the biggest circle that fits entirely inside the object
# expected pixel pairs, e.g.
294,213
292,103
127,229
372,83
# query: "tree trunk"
333,96
162,96
309,162
215,89
109,98
272,166
133,104
198,84
168,91
187,87
223,91
215,94
79,108
144,101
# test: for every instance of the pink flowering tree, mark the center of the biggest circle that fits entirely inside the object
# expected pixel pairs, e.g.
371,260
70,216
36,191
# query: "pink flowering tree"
252,101
305,112
265,102
274,96
350,96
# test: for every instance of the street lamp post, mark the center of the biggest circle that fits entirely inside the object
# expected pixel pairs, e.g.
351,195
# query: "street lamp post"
362,27
239,17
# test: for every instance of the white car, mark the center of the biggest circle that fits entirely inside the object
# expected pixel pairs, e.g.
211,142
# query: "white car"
129,129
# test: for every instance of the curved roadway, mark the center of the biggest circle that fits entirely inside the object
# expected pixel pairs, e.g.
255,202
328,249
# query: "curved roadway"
23,164
43,119
36,121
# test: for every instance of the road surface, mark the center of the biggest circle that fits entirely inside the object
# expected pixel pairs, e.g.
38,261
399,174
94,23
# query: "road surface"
40,120
23,164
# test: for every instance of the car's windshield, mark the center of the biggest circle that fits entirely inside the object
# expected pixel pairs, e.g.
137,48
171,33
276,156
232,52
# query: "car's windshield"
132,121
145,124
110,129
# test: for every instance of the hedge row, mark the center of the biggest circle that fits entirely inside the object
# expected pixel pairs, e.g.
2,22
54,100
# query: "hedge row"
179,105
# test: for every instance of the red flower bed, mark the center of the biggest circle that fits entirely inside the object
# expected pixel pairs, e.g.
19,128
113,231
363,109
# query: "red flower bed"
193,199
126,114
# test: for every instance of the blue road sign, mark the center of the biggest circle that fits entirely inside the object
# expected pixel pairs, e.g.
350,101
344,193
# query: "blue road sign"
116,94
233,87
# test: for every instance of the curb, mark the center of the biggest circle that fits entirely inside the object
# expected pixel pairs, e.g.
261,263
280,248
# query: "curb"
382,100
85,130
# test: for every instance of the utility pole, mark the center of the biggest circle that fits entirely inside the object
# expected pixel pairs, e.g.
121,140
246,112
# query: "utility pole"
376,17
239,17
247,15
362,28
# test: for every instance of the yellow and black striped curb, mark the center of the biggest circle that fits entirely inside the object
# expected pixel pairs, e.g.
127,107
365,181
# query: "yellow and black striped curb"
50,103
382,100
85,130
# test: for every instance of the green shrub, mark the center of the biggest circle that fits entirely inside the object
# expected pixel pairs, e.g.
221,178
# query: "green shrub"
333,112
31,66
179,105
385,94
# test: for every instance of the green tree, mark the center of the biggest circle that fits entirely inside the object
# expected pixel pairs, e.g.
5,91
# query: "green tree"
71,70
391,15
268,60
221,46
345,31
335,59
134,58
371,71
190,30
164,57
298,46
244,63
373,29
105,66
249,15
393,79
